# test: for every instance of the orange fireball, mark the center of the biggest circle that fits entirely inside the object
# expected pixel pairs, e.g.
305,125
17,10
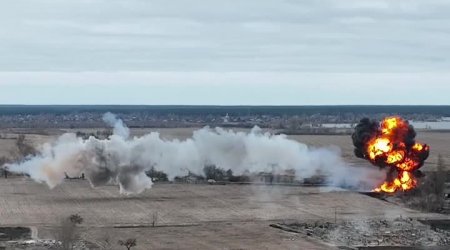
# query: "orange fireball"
391,144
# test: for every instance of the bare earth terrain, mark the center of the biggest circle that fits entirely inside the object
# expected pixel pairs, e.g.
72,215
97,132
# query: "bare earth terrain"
188,216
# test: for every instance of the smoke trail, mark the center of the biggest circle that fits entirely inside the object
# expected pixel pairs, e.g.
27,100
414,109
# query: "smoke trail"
124,161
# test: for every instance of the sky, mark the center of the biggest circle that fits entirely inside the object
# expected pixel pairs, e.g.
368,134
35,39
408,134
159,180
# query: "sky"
234,52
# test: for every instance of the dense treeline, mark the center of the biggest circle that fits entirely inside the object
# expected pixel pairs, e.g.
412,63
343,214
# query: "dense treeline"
220,110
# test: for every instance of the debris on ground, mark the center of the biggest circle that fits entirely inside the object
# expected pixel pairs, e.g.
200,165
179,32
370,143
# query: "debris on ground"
373,232
43,245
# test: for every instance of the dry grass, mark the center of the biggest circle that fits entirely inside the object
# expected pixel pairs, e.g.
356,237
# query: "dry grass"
188,215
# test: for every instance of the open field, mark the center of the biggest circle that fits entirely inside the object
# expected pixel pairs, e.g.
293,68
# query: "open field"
194,216
188,216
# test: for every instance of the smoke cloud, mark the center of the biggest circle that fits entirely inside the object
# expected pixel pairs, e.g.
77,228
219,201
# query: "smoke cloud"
124,161
119,128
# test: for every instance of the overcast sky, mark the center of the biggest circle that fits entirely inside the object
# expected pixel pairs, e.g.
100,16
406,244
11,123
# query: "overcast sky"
252,52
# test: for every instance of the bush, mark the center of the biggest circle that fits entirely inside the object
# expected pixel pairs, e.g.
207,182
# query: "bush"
429,195
157,175
76,219
129,243
240,178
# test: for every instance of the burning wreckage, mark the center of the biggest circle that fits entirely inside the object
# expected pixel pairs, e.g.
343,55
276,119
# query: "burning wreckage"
391,144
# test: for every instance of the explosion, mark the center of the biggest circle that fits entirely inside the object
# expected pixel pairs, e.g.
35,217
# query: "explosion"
391,144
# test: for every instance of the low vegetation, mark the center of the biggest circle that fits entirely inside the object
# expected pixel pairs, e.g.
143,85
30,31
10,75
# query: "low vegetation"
100,134
429,196
129,243
157,175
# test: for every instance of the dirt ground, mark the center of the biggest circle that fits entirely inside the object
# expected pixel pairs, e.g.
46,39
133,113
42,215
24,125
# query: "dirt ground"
189,216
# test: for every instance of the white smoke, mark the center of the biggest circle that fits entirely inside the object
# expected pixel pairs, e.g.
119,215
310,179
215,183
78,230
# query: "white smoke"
120,129
124,161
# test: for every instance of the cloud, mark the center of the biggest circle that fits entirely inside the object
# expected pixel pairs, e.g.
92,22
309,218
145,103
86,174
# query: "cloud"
223,88
223,52
223,36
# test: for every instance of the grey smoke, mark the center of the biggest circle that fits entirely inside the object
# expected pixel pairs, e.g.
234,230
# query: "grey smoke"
124,161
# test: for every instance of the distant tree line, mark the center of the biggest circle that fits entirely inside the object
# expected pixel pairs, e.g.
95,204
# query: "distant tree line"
221,110
100,134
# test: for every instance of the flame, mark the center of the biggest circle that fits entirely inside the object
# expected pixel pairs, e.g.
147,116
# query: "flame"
418,147
404,182
379,146
389,124
389,147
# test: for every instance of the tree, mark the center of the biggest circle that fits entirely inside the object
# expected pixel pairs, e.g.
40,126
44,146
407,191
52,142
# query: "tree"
229,174
129,243
213,172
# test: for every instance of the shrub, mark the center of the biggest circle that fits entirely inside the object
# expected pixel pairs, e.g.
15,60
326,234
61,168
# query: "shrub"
129,243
